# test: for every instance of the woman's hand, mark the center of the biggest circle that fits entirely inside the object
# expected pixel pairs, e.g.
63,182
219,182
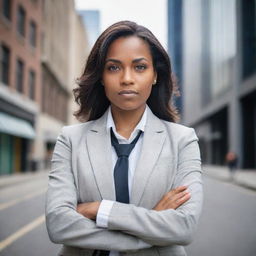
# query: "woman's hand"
173,199
89,210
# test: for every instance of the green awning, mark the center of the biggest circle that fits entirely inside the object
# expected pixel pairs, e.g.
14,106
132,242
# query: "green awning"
16,126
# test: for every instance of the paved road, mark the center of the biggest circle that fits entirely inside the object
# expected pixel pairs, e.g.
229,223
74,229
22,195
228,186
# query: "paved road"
227,226
228,222
22,222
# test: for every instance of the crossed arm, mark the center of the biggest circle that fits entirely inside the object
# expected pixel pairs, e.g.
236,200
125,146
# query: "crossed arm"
171,200
130,228
161,226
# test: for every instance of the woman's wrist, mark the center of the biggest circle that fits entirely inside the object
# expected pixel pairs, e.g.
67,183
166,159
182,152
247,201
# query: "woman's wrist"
89,210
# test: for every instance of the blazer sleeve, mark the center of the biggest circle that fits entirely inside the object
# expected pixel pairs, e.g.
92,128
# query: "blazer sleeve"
168,227
64,224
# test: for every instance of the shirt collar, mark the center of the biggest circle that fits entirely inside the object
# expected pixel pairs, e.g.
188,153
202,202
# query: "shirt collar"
139,127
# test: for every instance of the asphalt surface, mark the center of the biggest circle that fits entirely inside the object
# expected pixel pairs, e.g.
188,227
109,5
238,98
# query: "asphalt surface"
227,226
22,222
228,222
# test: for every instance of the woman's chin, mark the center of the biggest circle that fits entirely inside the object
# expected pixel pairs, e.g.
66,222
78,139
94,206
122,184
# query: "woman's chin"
128,107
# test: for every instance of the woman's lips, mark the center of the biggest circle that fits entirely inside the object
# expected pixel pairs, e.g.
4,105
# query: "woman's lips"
128,93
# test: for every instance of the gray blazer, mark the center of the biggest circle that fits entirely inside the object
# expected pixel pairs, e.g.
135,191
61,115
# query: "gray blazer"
82,172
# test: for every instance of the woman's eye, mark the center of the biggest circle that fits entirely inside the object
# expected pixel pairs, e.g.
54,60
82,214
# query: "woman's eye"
140,67
113,68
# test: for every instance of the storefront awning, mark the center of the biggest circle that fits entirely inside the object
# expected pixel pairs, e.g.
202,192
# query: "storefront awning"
16,126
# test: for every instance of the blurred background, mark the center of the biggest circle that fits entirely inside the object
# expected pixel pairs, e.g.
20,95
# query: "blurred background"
212,44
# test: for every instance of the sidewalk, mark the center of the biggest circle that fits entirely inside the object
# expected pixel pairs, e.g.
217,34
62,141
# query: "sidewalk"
8,180
245,178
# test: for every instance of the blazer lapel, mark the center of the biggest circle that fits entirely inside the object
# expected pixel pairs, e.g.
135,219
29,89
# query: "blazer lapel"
154,137
99,148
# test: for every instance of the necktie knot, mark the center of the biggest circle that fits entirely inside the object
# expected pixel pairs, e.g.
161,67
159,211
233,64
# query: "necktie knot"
123,150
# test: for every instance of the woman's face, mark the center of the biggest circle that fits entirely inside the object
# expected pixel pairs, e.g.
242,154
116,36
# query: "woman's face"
128,73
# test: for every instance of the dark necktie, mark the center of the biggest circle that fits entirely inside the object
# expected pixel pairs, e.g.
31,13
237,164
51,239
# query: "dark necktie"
121,168
120,174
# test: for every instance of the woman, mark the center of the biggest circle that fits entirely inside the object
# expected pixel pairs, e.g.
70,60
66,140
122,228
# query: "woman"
145,200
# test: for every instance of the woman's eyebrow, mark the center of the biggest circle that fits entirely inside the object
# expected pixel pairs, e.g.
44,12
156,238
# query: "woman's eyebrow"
113,60
118,61
139,59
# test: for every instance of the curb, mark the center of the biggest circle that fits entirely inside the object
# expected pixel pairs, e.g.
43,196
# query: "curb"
246,179
14,179
245,185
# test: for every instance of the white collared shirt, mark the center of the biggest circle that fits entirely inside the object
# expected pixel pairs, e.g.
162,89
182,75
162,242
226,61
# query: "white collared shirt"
106,205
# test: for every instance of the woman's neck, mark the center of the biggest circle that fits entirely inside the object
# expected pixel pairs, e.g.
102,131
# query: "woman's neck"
126,120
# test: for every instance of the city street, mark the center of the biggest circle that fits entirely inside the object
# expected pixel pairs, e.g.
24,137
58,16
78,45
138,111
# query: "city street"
22,223
227,225
138,64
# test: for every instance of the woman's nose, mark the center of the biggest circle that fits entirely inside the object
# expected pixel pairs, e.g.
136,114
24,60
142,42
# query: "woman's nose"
127,77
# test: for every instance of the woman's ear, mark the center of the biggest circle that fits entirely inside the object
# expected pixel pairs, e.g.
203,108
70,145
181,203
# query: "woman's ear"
155,79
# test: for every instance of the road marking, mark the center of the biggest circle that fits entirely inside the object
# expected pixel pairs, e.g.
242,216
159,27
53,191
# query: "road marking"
21,232
18,200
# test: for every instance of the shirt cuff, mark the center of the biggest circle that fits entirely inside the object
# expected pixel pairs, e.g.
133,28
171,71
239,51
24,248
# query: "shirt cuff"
103,213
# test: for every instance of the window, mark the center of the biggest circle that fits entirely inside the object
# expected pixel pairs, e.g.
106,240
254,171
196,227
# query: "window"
6,8
44,91
19,75
5,64
249,37
32,34
32,84
21,15
222,45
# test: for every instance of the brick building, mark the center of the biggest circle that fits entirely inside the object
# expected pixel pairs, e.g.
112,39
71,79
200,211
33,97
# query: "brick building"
43,48
20,81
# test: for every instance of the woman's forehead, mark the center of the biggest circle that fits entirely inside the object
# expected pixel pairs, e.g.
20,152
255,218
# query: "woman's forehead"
129,47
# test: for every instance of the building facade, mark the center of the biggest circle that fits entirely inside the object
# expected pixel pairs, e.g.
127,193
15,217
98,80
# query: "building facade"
64,50
219,77
175,45
79,51
43,50
20,84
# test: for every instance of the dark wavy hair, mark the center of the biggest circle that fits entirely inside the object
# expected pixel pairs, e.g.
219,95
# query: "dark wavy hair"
90,94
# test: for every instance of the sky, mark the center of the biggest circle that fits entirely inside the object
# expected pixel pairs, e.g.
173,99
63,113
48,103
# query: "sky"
149,13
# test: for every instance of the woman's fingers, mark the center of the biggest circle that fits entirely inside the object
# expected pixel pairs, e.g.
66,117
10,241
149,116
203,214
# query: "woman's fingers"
180,195
177,200
181,199
173,199
176,191
181,188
